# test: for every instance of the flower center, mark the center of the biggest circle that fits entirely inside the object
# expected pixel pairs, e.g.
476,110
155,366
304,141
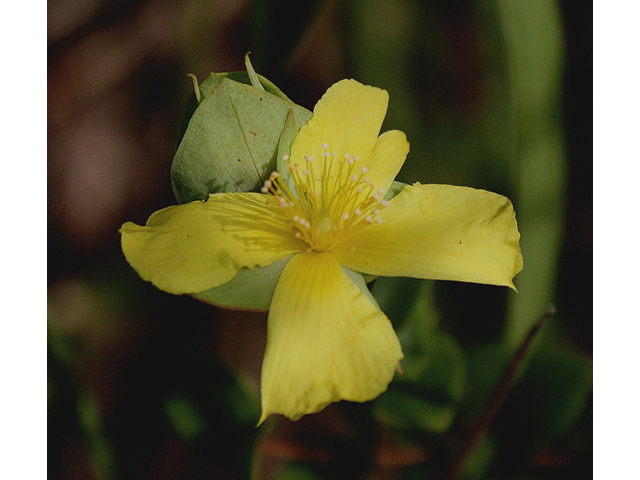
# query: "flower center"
325,202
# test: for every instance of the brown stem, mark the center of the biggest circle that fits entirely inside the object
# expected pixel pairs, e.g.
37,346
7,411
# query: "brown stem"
497,398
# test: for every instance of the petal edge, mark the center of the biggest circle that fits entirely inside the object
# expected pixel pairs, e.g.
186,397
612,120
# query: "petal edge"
325,342
440,232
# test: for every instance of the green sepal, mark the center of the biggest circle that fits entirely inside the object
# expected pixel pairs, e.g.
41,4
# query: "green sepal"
288,135
394,189
250,289
361,282
228,142
205,88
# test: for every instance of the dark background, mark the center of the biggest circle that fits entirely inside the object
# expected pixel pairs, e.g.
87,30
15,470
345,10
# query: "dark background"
143,384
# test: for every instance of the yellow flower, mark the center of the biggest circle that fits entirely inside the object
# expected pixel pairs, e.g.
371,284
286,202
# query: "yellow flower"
327,339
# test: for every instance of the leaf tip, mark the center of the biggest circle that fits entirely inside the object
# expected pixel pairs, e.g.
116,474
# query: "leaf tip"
196,88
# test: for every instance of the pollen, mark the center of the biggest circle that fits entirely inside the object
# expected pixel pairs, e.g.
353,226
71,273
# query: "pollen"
326,201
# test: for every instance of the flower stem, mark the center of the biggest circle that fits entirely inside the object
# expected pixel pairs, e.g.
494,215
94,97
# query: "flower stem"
497,398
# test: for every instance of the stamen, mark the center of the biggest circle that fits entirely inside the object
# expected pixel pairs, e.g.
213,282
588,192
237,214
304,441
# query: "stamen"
327,205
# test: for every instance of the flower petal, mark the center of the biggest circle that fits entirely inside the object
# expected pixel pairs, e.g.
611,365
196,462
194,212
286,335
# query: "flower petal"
193,247
440,232
387,158
326,341
347,118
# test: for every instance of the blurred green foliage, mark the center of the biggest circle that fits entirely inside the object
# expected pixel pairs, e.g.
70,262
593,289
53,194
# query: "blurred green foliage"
140,385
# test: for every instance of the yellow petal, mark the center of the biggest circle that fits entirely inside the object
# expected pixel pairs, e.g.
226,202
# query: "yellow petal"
440,232
326,341
348,119
193,247
387,158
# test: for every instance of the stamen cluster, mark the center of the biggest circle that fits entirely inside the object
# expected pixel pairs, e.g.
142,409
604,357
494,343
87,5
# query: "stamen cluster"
327,202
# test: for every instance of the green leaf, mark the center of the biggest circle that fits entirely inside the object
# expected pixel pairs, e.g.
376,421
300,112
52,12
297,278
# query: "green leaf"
397,297
533,42
427,397
230,141
250,289
486,365
184,417
480,460
297,471
548,399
